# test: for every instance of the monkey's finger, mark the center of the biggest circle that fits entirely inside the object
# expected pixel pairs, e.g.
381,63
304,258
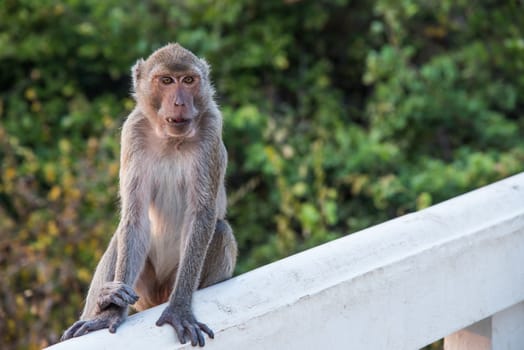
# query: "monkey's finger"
105,301
115,324
86,328
130,296
192,332
70,332
179,330
206,330
91,326
82,330
201,340
127,293
108,300
120,289
161,321
118,300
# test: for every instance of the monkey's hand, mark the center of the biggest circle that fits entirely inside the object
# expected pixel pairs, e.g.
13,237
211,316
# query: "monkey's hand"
111,318
116,293
185,324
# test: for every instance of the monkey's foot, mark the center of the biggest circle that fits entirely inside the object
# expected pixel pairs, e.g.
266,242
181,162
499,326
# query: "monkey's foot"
116,293
185,325
110,318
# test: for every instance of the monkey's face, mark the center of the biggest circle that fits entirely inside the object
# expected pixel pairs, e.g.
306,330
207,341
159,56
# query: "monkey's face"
174,95
172,88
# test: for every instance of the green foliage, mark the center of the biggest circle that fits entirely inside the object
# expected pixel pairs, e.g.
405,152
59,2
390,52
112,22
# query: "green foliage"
338,115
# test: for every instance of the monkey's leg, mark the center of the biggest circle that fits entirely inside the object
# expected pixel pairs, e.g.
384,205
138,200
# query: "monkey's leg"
105,272
221,256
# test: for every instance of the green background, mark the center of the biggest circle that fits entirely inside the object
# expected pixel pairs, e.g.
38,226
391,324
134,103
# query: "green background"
338,115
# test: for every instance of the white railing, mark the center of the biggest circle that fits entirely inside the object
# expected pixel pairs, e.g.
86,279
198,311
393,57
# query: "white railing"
454,270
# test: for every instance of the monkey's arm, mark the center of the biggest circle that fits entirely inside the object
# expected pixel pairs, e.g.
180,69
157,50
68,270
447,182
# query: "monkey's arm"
133,243
135,196
133,231
200,229
111,290
132,234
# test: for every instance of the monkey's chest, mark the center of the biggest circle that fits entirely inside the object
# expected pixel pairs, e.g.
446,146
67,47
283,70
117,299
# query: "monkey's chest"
168,220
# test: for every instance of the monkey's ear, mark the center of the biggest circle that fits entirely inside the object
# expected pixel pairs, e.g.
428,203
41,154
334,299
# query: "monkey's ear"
136,72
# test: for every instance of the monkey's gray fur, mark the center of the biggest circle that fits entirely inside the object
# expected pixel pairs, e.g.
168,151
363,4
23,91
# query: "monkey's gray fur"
173,237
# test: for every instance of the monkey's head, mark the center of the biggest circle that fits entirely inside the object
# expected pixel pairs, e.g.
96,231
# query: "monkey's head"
173,89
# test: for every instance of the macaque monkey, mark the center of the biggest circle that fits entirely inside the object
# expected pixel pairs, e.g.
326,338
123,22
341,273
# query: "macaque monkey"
172,237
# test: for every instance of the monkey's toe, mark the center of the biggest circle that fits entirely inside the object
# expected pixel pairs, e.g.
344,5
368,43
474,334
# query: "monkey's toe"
70,332
90,326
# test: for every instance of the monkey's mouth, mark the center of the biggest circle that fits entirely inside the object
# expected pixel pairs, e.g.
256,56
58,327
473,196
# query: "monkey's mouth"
177,121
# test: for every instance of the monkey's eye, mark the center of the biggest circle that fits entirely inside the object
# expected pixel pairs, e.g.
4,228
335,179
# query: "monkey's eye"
188,80
166,80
